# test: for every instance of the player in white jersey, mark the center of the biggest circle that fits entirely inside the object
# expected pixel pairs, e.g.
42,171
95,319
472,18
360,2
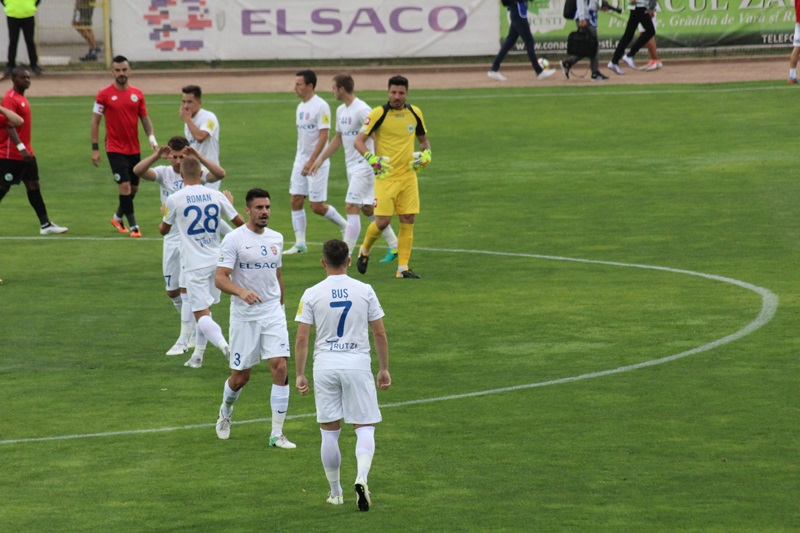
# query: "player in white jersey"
313,120
343,310
196,210
360,176
169,179
249,269
201,129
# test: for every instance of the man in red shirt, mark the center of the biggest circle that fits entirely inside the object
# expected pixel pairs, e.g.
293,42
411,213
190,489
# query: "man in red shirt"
17,162
123,106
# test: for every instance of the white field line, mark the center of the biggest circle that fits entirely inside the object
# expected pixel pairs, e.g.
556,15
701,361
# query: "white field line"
769,305
210,101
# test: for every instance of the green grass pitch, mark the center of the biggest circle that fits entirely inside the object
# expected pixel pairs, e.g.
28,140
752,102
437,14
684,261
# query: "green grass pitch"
521,397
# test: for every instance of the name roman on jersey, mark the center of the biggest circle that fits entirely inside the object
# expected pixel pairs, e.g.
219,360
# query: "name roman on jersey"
198,198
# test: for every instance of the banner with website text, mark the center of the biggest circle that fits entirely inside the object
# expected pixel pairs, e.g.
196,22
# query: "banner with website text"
679,23
170,30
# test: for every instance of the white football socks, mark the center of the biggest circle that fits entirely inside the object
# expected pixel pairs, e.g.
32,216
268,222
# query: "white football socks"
299,227
365,449
331,459
279,402
211,331
352,231
333,215
229,397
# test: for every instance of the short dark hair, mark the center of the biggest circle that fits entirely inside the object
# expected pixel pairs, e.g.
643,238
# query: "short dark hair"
252,194
19,71
193,89
178,143
309,77
345,81
335,252
120,59
399,80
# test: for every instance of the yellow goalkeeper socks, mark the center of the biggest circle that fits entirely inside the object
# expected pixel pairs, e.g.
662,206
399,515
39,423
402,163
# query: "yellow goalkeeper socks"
404,240
370,236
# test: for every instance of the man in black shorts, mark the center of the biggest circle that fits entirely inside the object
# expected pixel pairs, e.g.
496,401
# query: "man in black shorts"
19,164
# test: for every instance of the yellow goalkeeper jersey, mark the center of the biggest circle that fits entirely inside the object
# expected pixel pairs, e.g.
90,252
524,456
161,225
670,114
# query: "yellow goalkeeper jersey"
394,132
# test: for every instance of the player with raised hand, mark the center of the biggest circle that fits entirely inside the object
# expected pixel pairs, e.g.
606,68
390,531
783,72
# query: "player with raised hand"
169,179
196,211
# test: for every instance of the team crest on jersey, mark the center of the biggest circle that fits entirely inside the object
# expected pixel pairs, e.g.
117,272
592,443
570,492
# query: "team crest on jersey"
8,177
114,97
274,250
134,98
410,128
366,121
117,178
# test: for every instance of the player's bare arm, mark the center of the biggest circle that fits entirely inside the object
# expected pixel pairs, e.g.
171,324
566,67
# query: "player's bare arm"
336,142
164,228
424,143
279,275
361,143
12,134
216,171
323,138
142,168
198,134
300,356
224,283
95,134
147,125
383,379
13,119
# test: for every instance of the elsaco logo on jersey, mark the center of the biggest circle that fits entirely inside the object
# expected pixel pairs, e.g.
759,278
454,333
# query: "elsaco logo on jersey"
257,266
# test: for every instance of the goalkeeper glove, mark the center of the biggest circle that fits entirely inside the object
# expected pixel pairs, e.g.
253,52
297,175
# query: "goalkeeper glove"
421,160
380,164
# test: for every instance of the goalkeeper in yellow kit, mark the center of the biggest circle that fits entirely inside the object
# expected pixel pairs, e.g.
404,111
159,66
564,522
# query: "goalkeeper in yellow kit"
393,127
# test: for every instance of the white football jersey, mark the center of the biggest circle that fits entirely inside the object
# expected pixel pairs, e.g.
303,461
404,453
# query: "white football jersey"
311,117
349,120
340,308
206,121
196,210
171,181
254,259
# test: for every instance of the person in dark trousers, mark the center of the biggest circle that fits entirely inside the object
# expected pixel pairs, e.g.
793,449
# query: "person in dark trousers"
586,19
20,15
641,12
518,27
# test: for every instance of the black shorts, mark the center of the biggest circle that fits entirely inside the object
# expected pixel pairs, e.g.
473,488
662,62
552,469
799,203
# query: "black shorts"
13,172
122,167
82,17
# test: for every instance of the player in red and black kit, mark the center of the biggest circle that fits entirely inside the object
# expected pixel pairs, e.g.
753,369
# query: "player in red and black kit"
17,162
123,106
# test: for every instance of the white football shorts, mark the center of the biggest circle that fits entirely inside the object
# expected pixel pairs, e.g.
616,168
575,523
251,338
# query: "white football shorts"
314,187
171,264
348,394
361,184
200,288
796,41
254,340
